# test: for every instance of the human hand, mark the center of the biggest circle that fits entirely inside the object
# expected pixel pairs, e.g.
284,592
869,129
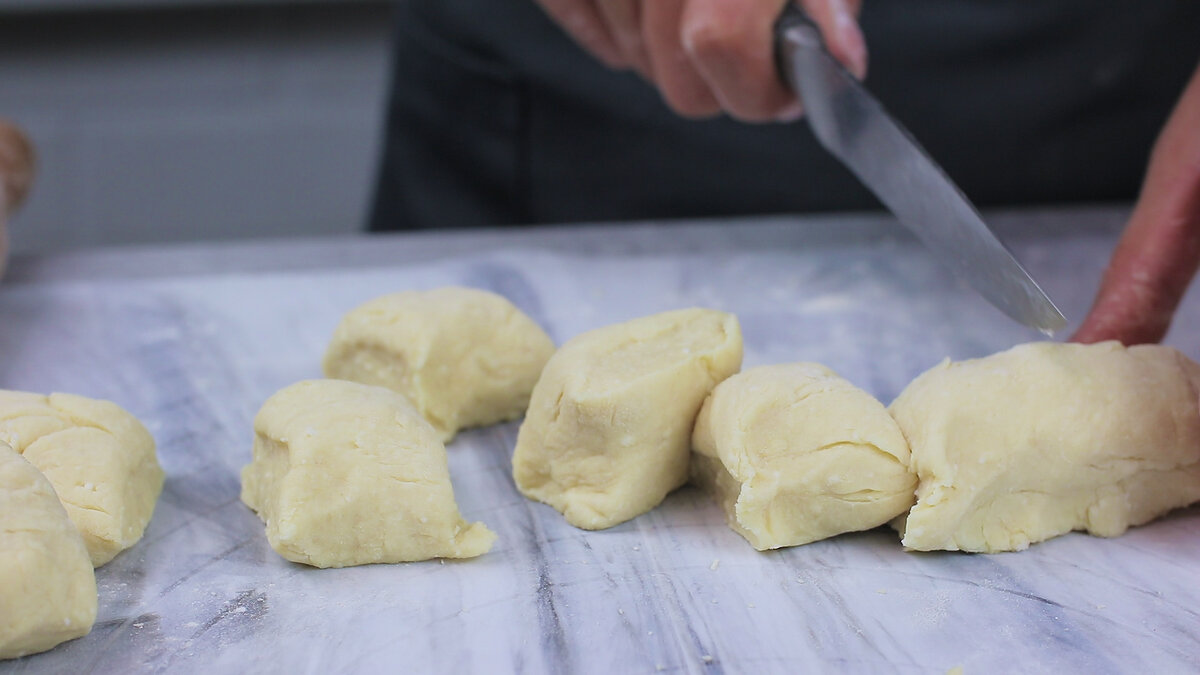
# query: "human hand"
16,174
3,234
1159,252
708,56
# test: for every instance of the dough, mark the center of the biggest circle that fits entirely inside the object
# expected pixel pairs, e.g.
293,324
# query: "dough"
464,357
98,457
1046,438
608,429
350,474
795,454
47,587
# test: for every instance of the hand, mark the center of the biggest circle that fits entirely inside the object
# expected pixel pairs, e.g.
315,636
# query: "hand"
707,56
1159,252
3,240
3,234
16,174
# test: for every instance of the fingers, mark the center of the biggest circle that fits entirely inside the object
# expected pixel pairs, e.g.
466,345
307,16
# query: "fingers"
624,21
584,23
838,22
710,56
1159,252
16,175
731,45
3,243
678,80
1150,271
16,167
707,56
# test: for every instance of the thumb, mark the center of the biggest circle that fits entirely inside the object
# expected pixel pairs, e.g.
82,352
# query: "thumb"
1159,252
1144,283
838,22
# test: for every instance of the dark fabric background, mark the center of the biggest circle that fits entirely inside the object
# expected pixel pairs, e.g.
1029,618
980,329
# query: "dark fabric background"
497,118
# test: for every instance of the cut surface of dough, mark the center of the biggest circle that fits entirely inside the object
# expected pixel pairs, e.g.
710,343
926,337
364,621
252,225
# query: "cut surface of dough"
794,454
47,586
1046,438
608,431
351,474
99,458
464,357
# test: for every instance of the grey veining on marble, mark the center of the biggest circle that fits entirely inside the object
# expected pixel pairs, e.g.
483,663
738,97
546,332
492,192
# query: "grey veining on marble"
193,339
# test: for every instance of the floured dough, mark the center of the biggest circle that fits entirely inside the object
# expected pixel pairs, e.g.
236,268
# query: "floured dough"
1046,438
47,587
609,426
350,474
795,454
464,357
98,457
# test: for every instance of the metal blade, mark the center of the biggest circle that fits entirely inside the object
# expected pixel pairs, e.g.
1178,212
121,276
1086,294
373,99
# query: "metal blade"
855,128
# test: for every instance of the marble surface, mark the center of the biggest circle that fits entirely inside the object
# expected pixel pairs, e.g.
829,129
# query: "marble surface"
193,339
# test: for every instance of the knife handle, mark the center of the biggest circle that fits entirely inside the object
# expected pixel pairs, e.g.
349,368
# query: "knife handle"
793,28
791,17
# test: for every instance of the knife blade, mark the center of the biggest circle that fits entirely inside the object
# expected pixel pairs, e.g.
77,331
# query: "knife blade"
853,126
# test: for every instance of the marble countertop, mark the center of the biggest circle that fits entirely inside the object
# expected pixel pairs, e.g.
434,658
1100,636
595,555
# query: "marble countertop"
192,339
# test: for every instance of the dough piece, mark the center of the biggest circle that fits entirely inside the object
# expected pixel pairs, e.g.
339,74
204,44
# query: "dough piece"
795,454
350,474
1046,438
98,457
608,430
47,587
464,357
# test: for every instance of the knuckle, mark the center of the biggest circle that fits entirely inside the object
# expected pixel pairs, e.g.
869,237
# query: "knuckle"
712,39
690,104
753,113
756,99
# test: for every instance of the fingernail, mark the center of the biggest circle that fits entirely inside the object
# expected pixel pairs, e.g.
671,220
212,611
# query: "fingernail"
850,38
791,113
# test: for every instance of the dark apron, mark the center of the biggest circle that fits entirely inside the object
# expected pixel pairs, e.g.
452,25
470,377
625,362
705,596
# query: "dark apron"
497,118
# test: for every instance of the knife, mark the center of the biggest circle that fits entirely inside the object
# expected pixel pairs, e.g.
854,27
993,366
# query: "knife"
852,125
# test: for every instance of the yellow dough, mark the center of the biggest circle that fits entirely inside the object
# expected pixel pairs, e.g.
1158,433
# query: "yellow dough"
47,587
609,426
464,357
99,458
1046,438
795,453
350,474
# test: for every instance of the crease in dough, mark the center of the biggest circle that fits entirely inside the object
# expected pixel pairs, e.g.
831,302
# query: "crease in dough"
350,474
100,459
47,586
795,454
464,357
607,434
1045,438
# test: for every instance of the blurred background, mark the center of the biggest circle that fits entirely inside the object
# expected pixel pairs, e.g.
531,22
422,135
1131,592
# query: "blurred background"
169,120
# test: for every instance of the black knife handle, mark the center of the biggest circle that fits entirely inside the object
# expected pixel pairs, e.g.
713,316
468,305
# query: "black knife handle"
792,16
792,19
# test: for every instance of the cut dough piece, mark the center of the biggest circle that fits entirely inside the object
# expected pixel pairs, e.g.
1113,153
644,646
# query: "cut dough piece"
351,474
608,430
47,586
99,458
464,357
1046,438
795,453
